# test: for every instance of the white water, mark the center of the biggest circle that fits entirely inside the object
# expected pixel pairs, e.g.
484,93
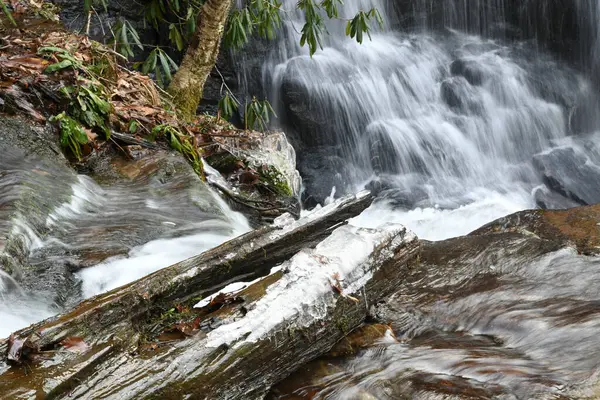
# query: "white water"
433,223
448,124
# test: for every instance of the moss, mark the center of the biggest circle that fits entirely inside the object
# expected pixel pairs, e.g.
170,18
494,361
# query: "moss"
270,176
224,162
343,324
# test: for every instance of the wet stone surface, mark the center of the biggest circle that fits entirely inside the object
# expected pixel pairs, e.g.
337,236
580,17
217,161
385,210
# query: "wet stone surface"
508,312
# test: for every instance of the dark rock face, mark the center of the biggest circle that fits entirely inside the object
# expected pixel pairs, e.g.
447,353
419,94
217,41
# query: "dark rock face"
321,169
458,94
314,114
554,24
549,200
570,173
469,69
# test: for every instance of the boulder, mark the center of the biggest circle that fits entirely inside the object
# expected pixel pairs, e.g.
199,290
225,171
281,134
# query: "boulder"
571,173
550,200
576,227
260,174
310,111
457,93
323,169
469,69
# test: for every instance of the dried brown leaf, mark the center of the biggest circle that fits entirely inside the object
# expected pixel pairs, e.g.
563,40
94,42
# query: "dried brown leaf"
75,344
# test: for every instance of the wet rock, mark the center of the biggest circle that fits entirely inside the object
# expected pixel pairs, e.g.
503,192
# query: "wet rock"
576,227
263,170
404,199
459,95
469,69
310,111
322,169
570,173
145,198
549,200
35,179
584,116
388,155
362,337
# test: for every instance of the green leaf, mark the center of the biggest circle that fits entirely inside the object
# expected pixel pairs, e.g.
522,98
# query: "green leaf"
175,36
165,65
7,12
58,66
150,63
133,126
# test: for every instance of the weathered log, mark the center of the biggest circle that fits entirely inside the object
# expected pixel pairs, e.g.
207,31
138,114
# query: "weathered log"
114,324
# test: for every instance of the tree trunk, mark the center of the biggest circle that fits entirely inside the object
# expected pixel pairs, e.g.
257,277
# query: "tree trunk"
200,58
64,354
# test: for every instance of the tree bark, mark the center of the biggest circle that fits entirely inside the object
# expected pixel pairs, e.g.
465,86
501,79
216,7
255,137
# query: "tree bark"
200,58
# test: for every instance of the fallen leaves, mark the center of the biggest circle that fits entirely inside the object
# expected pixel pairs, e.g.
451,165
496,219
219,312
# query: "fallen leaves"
27,350
21,350
336,285
24,63
75,344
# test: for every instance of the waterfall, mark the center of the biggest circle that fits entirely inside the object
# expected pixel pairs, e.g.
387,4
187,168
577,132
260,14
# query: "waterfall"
444,119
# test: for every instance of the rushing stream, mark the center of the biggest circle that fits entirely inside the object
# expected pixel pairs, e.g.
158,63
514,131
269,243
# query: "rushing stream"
117,221
452,125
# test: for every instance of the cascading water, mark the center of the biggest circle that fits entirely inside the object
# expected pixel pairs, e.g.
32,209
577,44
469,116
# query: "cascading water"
108,230
445,123
457,121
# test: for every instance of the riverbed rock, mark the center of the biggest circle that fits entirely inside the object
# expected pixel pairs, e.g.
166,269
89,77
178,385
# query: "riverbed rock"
571,173
260,174
576,227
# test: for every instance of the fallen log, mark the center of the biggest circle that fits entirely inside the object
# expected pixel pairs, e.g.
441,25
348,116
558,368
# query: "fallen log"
118,333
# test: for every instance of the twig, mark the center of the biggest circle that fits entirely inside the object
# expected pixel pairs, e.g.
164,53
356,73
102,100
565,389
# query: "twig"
122,149
243,201
100,20
87,25
131,140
